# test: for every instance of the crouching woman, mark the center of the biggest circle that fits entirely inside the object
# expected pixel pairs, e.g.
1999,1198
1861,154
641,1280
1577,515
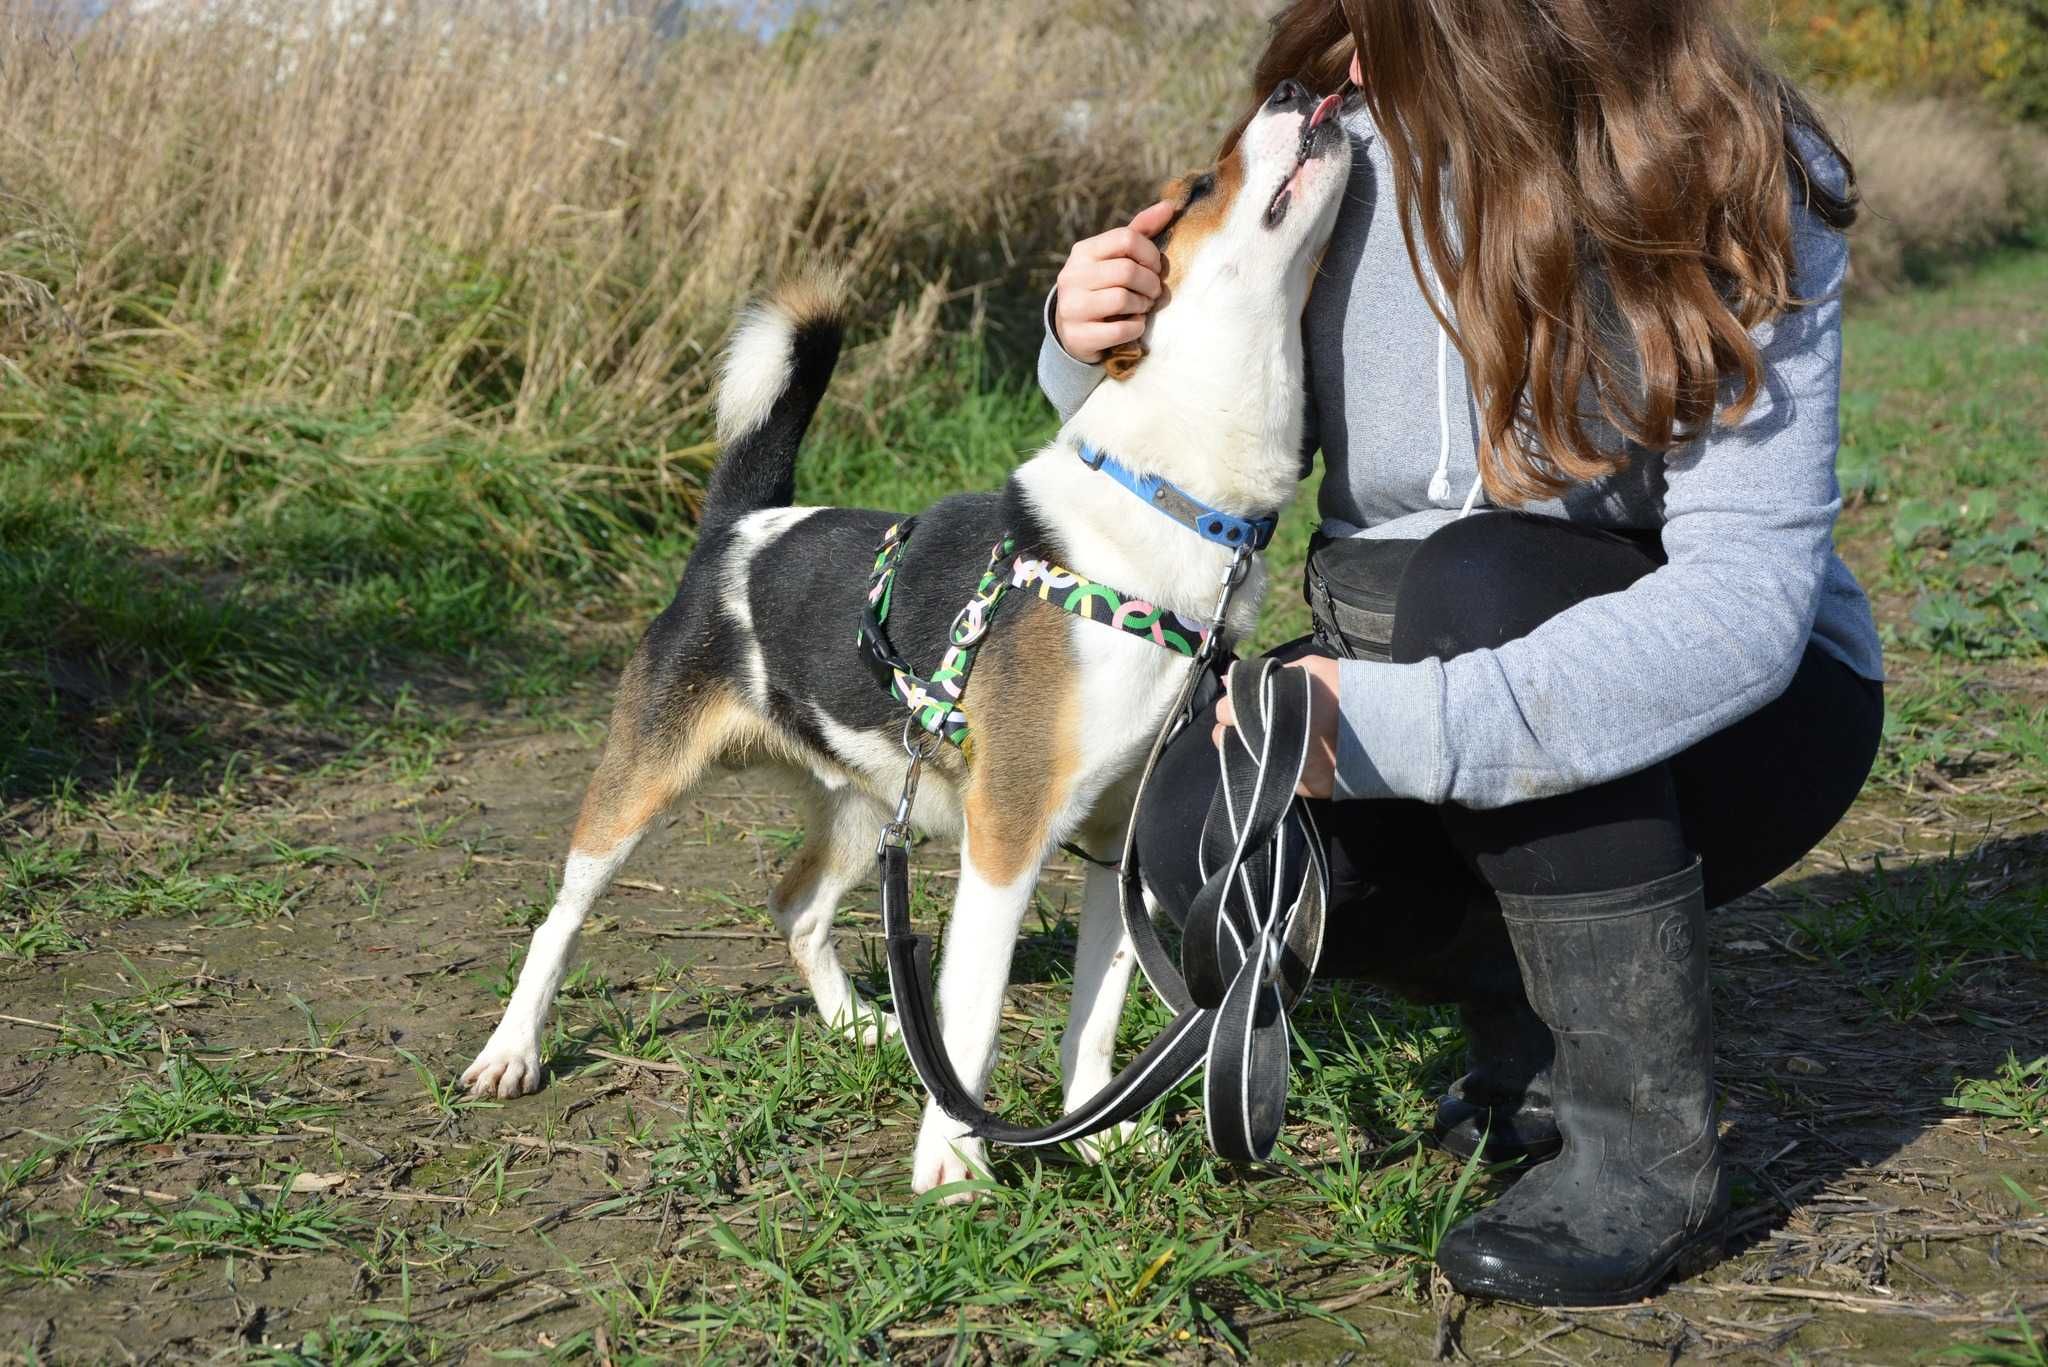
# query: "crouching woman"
1587,663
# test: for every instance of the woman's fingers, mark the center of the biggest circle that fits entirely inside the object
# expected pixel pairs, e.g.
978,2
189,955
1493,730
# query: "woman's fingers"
1108,283
1090,340
1319,772
1119,273
1226,717
1151,220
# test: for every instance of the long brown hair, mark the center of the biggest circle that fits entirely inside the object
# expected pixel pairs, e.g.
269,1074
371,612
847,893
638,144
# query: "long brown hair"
1603,189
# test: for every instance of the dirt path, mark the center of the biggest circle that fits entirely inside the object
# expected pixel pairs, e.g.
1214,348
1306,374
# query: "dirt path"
360,925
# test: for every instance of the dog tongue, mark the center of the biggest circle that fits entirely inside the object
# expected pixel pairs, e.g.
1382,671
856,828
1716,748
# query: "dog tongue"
1324,110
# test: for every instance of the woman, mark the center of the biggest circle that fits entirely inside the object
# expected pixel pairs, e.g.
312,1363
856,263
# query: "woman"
1574,359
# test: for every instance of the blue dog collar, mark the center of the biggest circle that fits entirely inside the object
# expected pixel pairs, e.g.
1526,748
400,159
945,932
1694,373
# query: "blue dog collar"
1211,524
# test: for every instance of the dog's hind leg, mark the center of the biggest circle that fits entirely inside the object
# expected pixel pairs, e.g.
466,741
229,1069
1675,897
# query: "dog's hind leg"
838,849
644,769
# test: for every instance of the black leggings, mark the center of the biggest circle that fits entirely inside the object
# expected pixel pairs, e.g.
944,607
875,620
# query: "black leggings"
1748,801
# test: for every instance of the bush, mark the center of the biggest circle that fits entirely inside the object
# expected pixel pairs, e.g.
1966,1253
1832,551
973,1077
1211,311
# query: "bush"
1994,48
1940,178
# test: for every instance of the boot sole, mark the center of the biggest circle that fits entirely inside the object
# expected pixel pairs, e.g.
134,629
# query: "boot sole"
1682,1259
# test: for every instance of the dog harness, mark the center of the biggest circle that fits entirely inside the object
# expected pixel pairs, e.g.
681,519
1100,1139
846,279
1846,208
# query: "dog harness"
1254,932
934,701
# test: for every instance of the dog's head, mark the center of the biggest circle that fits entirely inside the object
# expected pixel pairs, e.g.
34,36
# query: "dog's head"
1246,233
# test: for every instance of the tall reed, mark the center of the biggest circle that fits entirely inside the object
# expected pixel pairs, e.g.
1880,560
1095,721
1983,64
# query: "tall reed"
545,215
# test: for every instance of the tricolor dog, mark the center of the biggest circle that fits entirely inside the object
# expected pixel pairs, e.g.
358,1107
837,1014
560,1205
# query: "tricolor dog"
1118,535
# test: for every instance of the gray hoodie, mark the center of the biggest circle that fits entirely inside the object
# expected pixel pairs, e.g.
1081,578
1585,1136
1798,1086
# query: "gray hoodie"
1746,515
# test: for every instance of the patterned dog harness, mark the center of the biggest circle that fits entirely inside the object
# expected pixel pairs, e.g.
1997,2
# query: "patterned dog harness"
934,701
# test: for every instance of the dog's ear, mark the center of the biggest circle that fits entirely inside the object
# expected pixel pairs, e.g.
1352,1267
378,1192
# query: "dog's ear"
1121,360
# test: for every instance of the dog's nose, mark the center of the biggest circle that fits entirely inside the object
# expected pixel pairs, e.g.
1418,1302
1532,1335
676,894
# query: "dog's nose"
1286,95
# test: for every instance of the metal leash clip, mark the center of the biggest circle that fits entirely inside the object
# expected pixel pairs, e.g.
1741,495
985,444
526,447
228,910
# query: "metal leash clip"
920,745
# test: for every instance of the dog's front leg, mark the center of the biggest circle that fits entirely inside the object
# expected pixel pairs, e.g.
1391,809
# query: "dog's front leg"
996,879
1102,979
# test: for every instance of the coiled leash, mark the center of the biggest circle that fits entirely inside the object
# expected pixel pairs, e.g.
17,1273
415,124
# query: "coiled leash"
1252,935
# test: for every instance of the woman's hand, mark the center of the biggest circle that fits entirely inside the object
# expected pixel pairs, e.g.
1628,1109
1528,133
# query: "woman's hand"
1319,771
1108,285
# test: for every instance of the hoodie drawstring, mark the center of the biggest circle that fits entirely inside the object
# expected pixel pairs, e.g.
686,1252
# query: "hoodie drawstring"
1440,481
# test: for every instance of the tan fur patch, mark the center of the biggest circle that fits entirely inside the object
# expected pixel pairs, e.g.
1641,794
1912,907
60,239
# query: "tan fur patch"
817,295
1122,359
1026,722
640,774
1197,222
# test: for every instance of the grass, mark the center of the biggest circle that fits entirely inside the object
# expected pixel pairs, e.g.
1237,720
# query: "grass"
192,1098
2017,1095
2019,1346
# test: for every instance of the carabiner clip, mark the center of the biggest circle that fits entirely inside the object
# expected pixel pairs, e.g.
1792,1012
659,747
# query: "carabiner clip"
920,745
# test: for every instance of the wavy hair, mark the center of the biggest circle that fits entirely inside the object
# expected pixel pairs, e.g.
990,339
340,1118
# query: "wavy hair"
1603,190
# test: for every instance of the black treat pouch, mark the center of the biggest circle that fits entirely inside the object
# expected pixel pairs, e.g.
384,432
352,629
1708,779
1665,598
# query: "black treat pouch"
1351,584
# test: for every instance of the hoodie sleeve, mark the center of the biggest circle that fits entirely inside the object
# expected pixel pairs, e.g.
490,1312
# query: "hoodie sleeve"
1064,381
1620,682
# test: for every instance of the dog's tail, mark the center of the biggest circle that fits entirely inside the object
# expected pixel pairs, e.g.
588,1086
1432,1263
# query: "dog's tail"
776,370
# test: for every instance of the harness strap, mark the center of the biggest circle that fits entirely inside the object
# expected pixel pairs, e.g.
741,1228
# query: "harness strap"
934,701
1084,597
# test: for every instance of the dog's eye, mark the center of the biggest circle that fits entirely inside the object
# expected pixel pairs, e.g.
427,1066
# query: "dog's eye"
1200,186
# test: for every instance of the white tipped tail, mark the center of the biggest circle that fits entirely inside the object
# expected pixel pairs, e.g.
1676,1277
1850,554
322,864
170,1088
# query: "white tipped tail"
760,362
776,370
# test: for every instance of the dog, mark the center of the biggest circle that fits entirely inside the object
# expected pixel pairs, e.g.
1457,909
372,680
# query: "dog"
754,660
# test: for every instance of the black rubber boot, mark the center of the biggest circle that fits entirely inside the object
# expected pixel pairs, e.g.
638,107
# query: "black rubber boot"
1621,978
1503,1100
1502,1104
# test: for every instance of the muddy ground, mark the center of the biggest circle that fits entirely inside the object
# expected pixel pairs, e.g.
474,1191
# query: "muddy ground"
1878,1222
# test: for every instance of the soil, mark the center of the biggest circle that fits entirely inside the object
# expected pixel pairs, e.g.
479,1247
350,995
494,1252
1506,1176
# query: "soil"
1877,1222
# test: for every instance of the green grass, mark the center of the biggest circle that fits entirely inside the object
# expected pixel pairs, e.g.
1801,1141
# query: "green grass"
191,1098
2019,1346
1944,403
208,598
2016,1095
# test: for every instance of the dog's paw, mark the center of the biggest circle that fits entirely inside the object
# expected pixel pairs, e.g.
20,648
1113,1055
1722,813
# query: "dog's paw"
865,1023
1128,1140
943,1158
504,1069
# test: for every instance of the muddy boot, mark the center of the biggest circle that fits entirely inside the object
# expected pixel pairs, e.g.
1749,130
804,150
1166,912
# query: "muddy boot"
1621,978
1503,1102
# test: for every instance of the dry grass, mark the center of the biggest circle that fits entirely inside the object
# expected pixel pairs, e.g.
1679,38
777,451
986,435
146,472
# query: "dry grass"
480,208
1940,179
542,217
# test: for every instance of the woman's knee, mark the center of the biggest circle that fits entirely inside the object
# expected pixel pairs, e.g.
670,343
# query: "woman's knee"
1483,581
1176,803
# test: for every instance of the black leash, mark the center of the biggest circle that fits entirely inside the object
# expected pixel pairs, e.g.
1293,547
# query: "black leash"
1248,950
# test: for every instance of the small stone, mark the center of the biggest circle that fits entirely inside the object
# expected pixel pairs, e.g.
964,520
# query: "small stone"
1800,1063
